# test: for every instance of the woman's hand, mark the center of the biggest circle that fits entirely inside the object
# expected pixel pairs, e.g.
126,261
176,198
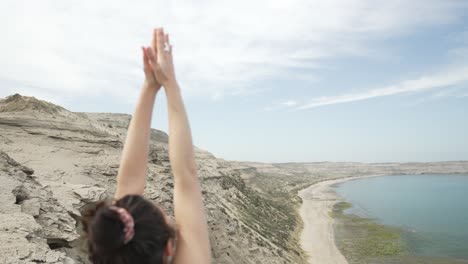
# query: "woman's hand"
160,58
150,80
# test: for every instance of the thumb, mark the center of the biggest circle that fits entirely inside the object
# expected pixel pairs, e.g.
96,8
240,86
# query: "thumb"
147,67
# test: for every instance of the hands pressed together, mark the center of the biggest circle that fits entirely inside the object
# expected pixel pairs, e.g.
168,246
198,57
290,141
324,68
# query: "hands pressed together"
157,61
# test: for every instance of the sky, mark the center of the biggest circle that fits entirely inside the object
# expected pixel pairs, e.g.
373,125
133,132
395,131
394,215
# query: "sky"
265,80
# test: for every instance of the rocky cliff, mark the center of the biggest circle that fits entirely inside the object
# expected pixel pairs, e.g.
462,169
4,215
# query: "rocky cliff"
54,162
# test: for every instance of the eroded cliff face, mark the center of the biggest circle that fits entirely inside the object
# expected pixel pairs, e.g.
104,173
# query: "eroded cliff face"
54,162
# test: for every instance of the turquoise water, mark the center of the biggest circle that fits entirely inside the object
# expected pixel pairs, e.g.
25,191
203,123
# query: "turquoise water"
432,209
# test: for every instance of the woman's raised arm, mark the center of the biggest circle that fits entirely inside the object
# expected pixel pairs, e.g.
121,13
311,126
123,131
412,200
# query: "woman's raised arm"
131,177
193,244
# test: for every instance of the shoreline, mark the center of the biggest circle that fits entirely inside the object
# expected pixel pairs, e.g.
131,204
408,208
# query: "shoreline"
317,237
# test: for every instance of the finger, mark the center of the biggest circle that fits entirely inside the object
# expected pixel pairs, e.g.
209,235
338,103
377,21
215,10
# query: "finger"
160,41
151,56
166,42
154,42
166,38
145,58
170,49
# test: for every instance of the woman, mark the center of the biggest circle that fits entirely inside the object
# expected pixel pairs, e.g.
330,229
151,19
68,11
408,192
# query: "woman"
132,229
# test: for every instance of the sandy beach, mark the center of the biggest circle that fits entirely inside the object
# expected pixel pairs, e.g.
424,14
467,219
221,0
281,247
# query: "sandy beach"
317,237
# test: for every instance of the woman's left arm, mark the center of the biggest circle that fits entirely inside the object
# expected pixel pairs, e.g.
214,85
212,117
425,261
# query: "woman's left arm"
131,177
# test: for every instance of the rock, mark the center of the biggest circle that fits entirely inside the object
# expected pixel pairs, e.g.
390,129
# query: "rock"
91,193
17,103
31,207
14,247
54,256
19,223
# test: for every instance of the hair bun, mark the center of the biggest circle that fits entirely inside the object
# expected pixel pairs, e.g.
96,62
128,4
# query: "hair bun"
104,231
127,219
107,231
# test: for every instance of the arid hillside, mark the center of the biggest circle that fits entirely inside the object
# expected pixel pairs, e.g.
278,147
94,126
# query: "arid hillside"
54,162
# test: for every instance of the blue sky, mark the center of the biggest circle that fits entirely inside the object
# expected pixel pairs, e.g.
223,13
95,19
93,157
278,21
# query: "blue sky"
271,81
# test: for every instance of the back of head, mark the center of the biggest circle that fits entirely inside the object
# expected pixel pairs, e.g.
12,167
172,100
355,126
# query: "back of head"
104,230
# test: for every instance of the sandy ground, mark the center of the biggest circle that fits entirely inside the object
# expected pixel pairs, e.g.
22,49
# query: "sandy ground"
317,238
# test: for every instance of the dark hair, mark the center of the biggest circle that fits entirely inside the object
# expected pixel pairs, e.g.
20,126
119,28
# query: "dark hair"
104,232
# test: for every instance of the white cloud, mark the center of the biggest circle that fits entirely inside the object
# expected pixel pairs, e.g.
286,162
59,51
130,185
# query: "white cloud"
431,81
289,103
280,105
91,48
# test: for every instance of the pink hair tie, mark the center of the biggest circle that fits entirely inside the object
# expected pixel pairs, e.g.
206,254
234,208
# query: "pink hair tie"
127,220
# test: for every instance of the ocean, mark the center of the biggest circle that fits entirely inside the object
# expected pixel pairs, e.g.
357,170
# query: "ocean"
431,209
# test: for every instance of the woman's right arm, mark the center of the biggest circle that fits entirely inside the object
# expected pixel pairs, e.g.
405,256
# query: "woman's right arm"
193,244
